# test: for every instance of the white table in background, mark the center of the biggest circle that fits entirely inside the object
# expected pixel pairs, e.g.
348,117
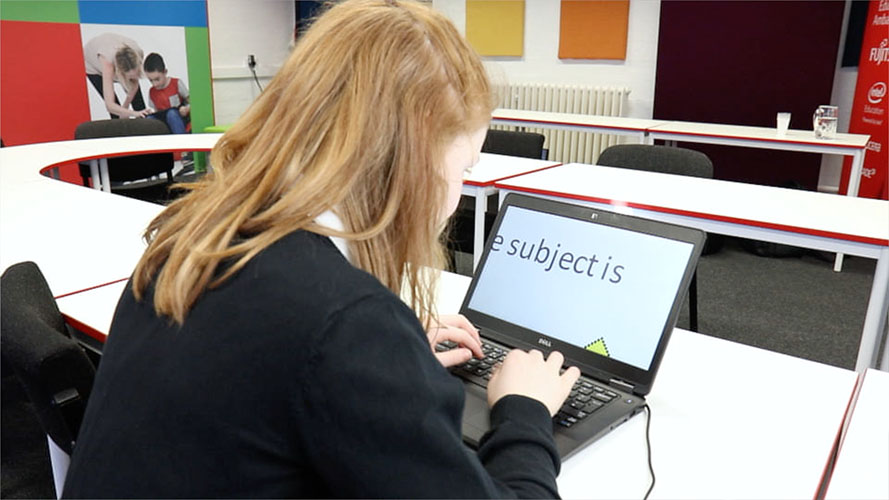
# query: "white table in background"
616,125
479,184
98,151
821,221
854,145
728,421
79,237
862,467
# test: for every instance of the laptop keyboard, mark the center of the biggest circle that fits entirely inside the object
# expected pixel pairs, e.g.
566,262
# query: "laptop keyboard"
585,398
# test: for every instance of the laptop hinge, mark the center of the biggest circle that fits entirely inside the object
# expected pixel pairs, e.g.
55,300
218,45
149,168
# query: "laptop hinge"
620,384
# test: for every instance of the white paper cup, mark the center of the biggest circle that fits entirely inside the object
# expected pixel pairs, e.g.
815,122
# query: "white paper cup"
783,123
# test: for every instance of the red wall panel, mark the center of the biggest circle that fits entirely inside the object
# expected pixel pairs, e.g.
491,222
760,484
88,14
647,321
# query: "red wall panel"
51,100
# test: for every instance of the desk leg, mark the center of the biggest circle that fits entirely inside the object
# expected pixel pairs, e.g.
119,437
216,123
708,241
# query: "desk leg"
478,239
884,365
94,174
647,138
838,263
103,171
852,190
875,318
855,173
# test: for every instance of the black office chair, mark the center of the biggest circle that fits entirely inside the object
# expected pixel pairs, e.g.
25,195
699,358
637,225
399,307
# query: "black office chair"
668,160
514,143
501,142
55,372
127,169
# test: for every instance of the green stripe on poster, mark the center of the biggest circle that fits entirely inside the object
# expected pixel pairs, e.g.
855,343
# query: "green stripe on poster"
197,48
44,11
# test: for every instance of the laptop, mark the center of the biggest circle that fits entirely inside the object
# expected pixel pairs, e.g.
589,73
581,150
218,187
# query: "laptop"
603,288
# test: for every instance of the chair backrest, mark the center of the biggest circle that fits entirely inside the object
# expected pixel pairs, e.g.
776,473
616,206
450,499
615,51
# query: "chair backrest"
54,370
514,143
652,158
130,168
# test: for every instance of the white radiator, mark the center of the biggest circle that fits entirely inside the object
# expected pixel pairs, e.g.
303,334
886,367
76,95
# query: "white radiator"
564,145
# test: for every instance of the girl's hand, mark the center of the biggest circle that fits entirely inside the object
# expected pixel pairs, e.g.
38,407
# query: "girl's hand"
457,329
528,374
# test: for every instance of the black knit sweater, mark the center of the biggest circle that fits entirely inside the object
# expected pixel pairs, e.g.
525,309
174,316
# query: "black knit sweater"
300,376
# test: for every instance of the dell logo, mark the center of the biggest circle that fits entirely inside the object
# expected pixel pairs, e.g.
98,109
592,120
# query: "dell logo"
544,342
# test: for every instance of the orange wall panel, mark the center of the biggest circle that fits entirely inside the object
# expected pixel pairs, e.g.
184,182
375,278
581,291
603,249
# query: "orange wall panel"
594,29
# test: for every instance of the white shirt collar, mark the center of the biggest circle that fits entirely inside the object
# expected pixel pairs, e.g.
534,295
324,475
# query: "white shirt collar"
331,220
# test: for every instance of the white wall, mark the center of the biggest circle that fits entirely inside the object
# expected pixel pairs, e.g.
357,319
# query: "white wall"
541,63
239,28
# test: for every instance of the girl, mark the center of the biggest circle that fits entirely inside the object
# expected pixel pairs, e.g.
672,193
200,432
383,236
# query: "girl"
261,348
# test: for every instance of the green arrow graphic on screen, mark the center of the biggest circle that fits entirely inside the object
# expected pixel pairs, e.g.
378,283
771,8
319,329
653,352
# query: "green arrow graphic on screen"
598,347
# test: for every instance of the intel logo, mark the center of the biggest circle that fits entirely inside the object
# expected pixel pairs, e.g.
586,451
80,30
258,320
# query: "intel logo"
876,93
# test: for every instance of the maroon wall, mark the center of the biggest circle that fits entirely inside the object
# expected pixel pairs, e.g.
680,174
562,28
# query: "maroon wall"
740,62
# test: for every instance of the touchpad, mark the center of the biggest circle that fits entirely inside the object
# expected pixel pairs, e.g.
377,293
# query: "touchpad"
476,421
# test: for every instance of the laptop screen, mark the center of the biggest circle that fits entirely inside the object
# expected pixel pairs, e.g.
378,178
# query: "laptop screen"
600,287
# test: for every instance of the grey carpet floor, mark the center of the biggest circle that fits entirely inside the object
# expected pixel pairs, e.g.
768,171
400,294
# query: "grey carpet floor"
795,305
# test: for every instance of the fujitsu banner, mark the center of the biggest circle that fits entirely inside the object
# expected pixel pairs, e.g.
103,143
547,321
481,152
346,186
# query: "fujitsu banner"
870,110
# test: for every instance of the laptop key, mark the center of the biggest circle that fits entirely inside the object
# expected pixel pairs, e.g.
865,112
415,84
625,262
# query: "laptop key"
592,406
602,397
574,412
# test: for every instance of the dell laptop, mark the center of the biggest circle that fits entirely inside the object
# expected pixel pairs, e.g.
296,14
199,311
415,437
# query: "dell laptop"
603,288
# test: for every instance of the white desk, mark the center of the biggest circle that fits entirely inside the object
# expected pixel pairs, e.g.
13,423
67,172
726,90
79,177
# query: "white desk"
79,237
64,227
99,150
479,184
91,311
729,421
617,125
862,467
821,221
649,130
853,145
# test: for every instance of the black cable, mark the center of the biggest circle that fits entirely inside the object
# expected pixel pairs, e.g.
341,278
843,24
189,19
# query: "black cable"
253,70
648,443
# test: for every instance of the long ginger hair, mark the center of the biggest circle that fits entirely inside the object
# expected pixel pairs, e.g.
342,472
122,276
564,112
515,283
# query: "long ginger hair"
356,121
